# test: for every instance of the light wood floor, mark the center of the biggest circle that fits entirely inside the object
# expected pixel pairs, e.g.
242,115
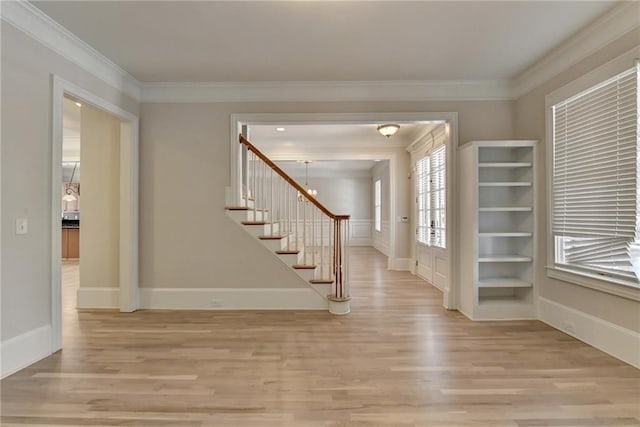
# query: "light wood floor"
399,359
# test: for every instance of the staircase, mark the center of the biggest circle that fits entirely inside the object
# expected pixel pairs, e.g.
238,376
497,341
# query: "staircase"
280,214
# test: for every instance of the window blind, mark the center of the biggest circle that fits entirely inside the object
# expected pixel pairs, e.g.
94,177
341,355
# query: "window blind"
422,200
438,197
595,177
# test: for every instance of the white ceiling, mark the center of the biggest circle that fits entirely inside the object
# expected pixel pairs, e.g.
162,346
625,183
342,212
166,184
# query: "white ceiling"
246,41
327,168
332,137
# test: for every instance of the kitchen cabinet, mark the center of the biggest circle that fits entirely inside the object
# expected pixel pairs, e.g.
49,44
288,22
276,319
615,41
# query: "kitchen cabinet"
70,243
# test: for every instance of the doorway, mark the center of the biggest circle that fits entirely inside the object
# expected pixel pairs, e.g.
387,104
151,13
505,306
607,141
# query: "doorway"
401,255
432,191
123,186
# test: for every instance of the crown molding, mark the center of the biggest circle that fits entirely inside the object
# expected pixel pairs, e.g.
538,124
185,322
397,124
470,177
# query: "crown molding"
35,23
613,25
333,91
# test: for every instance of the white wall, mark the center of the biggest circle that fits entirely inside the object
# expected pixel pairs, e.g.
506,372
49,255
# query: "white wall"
348,193
530,120
27,67
100,216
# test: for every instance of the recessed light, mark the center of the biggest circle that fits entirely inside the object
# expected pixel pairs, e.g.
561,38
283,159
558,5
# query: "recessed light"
280,129
78,104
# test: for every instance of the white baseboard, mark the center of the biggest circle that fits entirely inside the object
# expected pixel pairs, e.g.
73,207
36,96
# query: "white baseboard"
381,246
401,264
19,352
232,299
98,297
615,340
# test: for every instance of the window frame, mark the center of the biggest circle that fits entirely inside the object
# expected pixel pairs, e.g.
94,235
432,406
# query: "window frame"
610,284
377,205
430,206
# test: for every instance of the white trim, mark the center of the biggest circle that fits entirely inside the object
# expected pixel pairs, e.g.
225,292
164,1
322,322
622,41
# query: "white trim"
619,21
232,299
593,77
423,273
94,297
615,340
451,130
333,91
598,284
38,25
401,264
23,350
129,144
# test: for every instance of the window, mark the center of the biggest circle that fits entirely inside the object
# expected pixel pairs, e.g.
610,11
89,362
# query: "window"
422,200
595,189
377,214
431,198
438,197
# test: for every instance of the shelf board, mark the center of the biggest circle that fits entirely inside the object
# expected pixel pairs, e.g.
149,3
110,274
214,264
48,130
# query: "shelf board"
506,184
502,300
506,234
504,164
504,258
506,209
504,282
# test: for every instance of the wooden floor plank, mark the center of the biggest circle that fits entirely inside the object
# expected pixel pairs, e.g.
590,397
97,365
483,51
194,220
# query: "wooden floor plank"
399,359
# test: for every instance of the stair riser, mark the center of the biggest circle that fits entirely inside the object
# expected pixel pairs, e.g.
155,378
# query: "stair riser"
274,245
305,274
240,216
322,289
262,230
291,259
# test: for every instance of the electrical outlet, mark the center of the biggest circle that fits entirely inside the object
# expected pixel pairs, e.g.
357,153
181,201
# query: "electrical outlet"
22,226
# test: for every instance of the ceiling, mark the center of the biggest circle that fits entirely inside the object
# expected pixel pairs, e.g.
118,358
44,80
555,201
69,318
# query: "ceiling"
303,137
328,168
244,41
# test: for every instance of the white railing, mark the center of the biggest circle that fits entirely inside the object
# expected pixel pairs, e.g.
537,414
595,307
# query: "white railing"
320,237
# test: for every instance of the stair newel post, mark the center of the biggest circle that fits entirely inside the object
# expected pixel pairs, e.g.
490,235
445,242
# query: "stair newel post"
296,204
304,230
339,301
345,249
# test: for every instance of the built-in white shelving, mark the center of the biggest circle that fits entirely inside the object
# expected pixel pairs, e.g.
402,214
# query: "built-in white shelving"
497,230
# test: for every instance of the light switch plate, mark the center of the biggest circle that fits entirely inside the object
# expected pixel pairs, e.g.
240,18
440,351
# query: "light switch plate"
22,226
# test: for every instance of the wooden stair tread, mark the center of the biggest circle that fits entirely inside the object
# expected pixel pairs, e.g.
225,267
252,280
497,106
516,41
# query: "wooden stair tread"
320,281
238,208
273,237
304,267
255,223
286,252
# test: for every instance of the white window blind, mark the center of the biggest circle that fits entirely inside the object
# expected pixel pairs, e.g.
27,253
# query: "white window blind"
438,197
431,198
422,200
595,180
377,215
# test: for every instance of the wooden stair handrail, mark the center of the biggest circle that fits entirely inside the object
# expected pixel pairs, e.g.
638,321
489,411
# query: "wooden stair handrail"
291,181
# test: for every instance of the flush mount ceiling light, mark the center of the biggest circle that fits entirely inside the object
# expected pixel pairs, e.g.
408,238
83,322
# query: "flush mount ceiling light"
78,104
388,129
